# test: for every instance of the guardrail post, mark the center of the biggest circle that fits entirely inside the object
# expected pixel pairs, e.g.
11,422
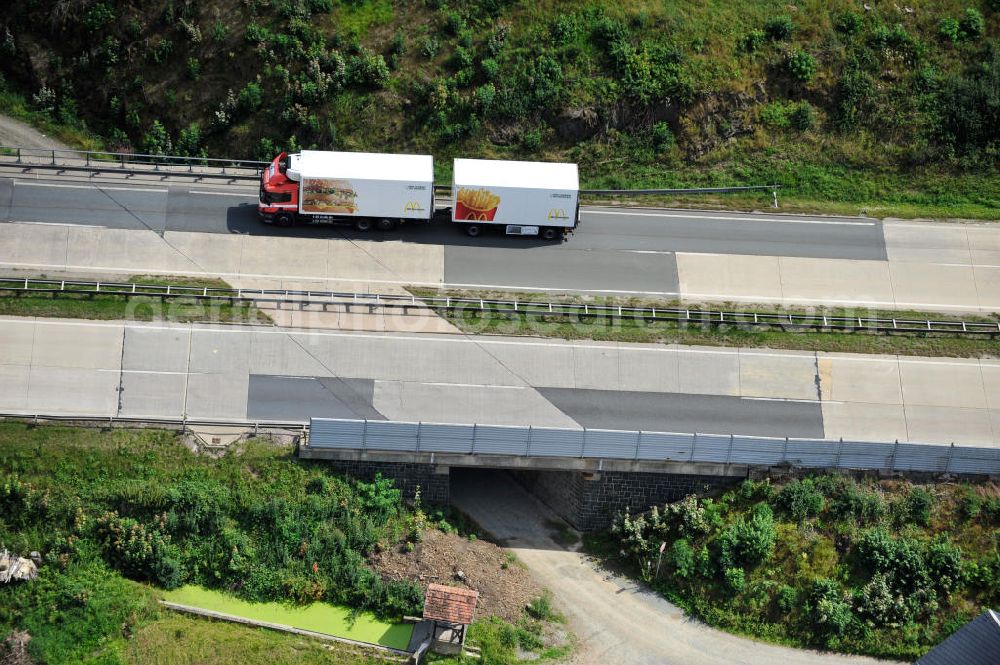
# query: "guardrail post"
784,452
53,158
18,155
951,454
774,196
638,438
892,457
840,449
364,435
420,427
729,453
475,429
694,444
527,449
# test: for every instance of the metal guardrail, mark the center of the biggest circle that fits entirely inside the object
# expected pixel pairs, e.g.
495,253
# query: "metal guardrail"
481,306
183,423
236,169
417,437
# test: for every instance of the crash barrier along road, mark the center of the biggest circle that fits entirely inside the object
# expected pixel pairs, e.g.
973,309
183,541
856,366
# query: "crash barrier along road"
482,306
96,162
542,442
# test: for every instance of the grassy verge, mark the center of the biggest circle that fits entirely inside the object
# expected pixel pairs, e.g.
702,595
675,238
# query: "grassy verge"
118,308
74,135
639,331
117,515
176,639
886,568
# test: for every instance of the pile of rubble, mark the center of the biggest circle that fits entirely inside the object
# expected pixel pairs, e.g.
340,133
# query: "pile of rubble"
18,568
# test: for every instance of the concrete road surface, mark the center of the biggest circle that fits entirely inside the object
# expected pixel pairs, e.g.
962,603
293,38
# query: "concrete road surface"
53,366
617,620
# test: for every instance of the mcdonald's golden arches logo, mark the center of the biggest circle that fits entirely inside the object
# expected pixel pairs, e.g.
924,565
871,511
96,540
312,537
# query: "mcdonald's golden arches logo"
413,206
557,213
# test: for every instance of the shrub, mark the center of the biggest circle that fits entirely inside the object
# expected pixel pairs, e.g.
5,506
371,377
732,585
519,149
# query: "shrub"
787,599
157,141
735,579
430,47
541,608
944,562
801,65
682,558
801,499
491,68
251,97
848,500
485,95
461,58
779,28
189,142
972,503
802,117
663,138
899,558
949,30
754,41
99,16
880,604
849,23
915,507
531,139
193,69
829,613
454,23
319,6
688,517
972,24
368,69
970,109
748,542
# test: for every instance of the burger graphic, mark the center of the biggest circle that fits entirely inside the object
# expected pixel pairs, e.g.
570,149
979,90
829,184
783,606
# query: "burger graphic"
329,195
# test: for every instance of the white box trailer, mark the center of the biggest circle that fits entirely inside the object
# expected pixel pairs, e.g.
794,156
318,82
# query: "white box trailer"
366,189
523,198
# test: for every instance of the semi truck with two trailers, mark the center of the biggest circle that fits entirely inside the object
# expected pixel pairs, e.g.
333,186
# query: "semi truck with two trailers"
382,191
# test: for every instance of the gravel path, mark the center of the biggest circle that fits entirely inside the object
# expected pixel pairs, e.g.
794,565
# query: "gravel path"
17,134
616,620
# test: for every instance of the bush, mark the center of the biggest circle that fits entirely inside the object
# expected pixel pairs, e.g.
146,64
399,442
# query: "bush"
915,507
541,608
748,542
949,30
193,69
754,41
688,517
735,579
829,612
802,118
491,68
899,558
461,58
663,138
189,141
787,599
251,97
157,141
880,604
850,23
430,47
682,558
970,107
801,65
973,25
779,28
944,562
368,69
801,499
532,139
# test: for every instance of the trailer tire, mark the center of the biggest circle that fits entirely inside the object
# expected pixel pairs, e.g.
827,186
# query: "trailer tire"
385,224
550,233
362,224
473,230
284,220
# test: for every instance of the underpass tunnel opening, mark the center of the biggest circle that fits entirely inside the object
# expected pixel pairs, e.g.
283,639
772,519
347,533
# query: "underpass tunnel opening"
589,500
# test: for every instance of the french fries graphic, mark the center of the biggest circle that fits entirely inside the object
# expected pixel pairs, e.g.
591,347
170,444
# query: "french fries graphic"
476,204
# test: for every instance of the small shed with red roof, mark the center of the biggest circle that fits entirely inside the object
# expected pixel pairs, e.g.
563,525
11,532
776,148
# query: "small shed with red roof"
451,610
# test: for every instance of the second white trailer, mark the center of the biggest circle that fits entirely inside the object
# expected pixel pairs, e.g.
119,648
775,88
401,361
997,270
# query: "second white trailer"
522,198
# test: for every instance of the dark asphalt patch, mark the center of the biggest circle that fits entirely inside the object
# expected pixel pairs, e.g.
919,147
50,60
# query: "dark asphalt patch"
676,412
303,397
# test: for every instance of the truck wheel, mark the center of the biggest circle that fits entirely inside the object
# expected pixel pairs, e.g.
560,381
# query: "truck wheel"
363,224
385,224
283,220
473,230
549,233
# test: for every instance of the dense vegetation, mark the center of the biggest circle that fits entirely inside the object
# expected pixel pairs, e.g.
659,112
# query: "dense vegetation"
873,106
887,569
108,508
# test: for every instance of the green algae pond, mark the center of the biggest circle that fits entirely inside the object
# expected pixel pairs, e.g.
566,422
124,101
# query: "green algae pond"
318,617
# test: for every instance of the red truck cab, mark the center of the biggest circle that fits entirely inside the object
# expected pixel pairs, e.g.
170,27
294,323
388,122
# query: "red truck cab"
279,194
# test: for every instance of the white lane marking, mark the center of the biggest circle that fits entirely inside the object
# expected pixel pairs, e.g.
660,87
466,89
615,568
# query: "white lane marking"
458,385
472,339
727,218
146,371
95,187
789,399
90,226
963,265
646,251
242,196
